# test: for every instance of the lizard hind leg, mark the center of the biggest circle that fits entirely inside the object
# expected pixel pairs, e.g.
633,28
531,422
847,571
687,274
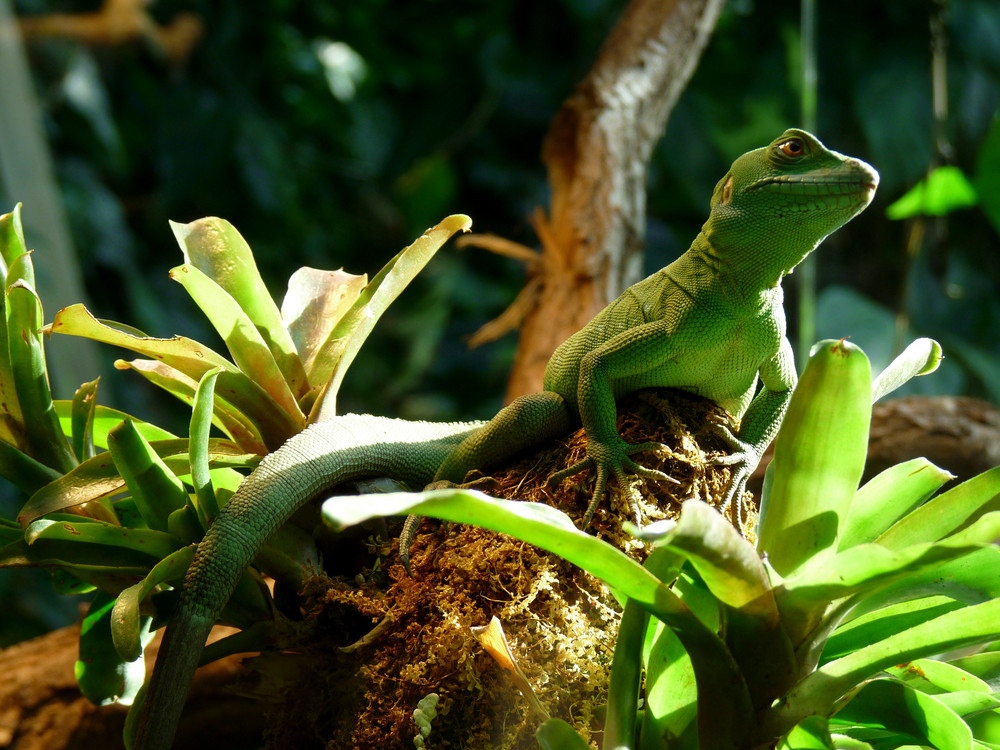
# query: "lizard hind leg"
523,424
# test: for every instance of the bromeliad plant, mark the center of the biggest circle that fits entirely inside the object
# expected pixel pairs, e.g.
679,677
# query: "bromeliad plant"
115,504
830,632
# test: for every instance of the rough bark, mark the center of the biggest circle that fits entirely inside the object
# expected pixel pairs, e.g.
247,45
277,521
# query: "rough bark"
596,153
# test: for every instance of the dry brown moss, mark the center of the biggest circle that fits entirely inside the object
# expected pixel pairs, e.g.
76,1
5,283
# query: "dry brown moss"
560,622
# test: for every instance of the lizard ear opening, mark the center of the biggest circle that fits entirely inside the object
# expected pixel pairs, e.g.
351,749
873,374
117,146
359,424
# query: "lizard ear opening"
727,191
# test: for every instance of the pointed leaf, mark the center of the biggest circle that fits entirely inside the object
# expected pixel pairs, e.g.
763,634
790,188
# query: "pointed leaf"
943,514
154,544
934,676
155,490
984,666
864,565
193,360
888,497
819,456
819,692
893,705
729,565
184,354
83,408
244,428
98,477
201,424
126,620
43,434
246,345
313,306
103,676
921,357
885,621
344,342
11,247
215,248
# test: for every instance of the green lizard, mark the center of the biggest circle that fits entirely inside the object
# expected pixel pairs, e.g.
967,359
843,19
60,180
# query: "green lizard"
711,323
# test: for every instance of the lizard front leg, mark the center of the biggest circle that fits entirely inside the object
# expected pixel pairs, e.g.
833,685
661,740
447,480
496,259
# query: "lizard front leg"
631,357
759,425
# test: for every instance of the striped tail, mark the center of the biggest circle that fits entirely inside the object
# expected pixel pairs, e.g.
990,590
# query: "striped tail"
344,448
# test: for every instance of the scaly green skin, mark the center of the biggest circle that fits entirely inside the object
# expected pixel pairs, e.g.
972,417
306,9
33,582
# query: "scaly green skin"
710,323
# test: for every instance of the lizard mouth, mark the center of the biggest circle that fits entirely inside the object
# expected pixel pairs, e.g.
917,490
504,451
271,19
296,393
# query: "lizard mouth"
816,184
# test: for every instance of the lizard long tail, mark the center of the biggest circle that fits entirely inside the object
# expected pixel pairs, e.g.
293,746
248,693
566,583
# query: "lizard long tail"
325,454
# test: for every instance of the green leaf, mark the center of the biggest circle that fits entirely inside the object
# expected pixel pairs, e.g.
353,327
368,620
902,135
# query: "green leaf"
156,491
934,676
98,477
11,247
82,411
812,733
865,565
345,340
943,190
921,357
819,692
313,306
553,530
943,514
885,621
984,666
103,676
105,420
733,571
886,498
43,434
893,705
556,734
126,620
626,668
148,542
245,344
201,424
729,565
24,472
244,429
968,703
215,248
12,244
192,360
671,706
819,456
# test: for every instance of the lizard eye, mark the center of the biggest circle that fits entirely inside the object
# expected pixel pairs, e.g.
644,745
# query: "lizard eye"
793,147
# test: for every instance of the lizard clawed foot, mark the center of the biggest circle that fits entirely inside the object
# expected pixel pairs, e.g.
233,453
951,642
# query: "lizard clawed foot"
743,460
617,461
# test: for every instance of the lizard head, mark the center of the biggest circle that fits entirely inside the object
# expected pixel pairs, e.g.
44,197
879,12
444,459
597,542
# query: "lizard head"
785,198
